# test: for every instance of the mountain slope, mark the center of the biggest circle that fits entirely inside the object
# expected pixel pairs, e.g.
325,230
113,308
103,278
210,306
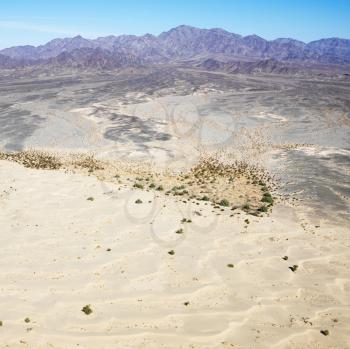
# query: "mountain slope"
182,42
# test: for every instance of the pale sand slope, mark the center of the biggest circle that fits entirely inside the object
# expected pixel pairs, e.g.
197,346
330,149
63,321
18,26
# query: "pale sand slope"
54,260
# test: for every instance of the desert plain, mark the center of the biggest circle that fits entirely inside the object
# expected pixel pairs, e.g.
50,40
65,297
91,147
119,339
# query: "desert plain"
134,245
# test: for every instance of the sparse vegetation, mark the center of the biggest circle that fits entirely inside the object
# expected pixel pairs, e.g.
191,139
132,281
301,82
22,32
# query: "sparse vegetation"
210,178
33,159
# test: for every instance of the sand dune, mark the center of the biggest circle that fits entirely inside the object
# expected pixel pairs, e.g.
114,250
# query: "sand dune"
225,286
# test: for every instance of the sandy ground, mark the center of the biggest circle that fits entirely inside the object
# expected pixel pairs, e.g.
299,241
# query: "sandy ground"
61,251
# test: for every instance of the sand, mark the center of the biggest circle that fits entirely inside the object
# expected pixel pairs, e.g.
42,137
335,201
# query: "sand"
226,285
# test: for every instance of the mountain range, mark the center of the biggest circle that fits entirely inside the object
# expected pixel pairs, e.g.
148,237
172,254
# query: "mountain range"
207,48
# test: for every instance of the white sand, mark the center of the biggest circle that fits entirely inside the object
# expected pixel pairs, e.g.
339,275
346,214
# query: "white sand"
54,260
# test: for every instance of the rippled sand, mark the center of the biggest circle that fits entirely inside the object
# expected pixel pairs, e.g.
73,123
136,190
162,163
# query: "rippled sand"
61,252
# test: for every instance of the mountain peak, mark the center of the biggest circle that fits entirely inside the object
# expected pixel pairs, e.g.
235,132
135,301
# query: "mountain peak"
187,42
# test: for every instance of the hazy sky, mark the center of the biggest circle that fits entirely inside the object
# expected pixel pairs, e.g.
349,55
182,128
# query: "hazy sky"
38,21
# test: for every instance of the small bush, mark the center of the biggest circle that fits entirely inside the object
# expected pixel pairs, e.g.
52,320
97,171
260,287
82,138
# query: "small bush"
205,198
27,320
263,209
293,268
90,198
138,201
230,265
152,185
138,186
179,231
160,188
267,198
224,202
87,309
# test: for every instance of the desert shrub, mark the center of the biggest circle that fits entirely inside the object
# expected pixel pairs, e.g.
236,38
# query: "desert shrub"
224,202
263,209
138,185
87,309
267,198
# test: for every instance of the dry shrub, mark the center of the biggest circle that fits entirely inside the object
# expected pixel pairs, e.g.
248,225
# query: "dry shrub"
86,161
36,159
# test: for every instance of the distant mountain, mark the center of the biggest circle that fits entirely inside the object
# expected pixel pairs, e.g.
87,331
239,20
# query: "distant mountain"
90,58
177,44
250,67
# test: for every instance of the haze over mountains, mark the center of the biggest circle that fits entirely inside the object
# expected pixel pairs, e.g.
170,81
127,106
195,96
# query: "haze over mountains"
208,48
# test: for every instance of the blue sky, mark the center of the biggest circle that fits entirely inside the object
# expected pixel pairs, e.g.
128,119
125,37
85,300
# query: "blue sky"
38,21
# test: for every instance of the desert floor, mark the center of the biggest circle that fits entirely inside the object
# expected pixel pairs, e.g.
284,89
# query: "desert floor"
230,279
226,285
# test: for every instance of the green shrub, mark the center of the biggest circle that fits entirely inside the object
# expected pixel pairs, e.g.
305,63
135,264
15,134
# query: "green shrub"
87,309
224,202
262,209
267,198
138,186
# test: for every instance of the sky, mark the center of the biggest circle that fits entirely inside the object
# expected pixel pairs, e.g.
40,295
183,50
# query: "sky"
34,22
